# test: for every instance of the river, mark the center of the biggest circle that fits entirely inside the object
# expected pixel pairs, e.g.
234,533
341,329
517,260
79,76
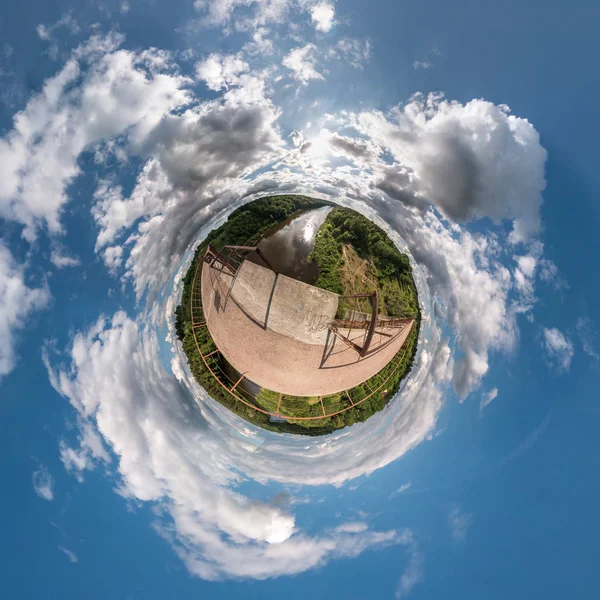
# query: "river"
288,245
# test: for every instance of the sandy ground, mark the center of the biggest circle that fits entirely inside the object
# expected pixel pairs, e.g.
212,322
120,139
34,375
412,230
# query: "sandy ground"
279,362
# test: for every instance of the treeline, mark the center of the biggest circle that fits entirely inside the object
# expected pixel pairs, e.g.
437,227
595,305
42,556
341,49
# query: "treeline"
396,286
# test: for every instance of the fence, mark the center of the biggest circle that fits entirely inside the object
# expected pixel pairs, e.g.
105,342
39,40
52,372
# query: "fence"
227,261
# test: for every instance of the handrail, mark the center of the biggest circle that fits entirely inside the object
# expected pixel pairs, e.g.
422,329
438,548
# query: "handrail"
204,323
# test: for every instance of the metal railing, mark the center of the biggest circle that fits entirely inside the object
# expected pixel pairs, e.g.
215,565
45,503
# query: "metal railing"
232,257
212,363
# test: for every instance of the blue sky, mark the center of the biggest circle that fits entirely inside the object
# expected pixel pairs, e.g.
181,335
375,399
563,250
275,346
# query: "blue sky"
122,480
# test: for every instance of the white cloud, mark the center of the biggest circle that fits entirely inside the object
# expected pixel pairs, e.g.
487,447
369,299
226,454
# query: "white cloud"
69,553
220,71
548,273
196,165
353,527
355,52
260,43
527,265
85,103
302,62
469,161
459,523
524,280
60,258
250,15
124,8
113,258
475,297
253,13
43,483
190,156
559,349
403,488
322,16
488,397
18,301
413,574
118,387
47,33
422,64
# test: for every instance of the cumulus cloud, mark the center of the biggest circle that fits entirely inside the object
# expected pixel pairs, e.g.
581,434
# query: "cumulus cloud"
412,576
191,157
559,349
355,52
46,33
524,276
17,302
414,571
548,273
100,93
167,453
422,64
449,157
469,161
249,15
260,44
322,16
43,483
220,71
301,62
61,259
196,164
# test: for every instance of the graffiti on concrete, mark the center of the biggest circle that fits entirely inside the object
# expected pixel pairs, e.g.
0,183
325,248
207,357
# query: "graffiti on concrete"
317,322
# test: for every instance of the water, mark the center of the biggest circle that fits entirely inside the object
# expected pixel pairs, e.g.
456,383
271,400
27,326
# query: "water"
288,245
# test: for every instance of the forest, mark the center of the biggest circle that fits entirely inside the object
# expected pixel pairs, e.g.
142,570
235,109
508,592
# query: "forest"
356,256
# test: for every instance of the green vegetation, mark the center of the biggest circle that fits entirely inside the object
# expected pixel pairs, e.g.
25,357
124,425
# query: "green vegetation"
221,395
353,256
384,385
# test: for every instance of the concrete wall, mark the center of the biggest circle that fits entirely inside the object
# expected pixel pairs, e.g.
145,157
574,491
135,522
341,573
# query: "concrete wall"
284,305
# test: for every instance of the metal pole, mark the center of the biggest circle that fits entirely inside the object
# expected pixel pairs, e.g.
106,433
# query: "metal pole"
265,259
237,383
374,316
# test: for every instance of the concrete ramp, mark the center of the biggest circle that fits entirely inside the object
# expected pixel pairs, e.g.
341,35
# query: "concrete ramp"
294,353
286,306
